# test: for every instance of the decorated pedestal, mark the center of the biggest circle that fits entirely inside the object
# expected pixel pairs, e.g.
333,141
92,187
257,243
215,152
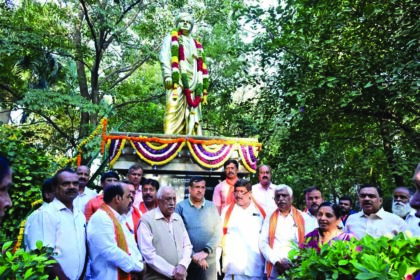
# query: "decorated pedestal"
173,159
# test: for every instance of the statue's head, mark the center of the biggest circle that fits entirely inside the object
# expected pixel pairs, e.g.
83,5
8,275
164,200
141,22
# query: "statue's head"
185,22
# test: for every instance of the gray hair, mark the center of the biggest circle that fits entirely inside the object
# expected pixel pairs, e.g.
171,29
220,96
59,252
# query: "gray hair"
163,190
284,187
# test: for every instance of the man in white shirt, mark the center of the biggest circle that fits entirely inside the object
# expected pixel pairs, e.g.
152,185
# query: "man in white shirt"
263,193
163,239
47,192
242,222
62,227
401,207
112,248
85,194
134,175
373,219
283,226
313,198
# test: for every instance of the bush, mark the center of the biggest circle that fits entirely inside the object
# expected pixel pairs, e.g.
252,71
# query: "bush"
25,265
30,168
369,258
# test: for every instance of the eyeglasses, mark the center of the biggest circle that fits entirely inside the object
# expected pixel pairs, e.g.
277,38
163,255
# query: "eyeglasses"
240,192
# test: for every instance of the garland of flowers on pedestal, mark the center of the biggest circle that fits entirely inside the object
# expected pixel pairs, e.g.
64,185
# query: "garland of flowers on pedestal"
210,154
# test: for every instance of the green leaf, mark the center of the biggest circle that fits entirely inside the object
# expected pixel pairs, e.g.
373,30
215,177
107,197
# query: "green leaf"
343,262
365,276
369,84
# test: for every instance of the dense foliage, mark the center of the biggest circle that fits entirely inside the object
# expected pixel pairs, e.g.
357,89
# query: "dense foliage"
30,168
341,78
22,265
368,258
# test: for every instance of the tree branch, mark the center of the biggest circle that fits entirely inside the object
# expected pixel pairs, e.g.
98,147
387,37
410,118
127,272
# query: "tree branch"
92,29
138,101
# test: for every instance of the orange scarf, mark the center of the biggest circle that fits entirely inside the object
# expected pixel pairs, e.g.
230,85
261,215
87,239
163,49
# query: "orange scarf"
299,221
229,212
230,198
120,238
143,207
136,215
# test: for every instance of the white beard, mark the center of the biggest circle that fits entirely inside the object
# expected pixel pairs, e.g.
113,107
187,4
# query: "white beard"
401,209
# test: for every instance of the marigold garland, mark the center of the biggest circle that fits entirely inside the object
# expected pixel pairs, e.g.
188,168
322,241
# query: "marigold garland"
216,164
119,150
250,165
158,162
20,236
207,153
22,228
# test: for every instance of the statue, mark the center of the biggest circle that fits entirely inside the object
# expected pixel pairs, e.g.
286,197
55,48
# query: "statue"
185,77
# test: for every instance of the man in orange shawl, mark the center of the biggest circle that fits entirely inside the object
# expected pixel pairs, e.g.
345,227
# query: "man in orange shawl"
282,226
112,249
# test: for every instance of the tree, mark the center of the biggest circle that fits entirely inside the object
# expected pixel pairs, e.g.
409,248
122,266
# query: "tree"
345,76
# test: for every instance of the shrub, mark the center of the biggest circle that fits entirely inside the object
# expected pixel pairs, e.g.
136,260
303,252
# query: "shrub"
369,258
30,168
25,265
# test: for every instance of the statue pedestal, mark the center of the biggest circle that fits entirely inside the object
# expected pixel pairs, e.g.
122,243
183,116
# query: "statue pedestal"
174,159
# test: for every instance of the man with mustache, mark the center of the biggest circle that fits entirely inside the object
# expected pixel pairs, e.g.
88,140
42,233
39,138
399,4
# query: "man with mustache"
223,192
133,214
63,228
242,221
5,183
401,207
85,194
284,226
373,219
313,198
149,189
112,249
202,221
263,193
135,175
163,240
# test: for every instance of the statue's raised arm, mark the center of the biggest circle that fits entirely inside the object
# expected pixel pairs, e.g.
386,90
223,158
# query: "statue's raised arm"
185,77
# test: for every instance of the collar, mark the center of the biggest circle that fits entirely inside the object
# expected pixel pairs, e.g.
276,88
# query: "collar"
203,203
270,187
58,205
159,216
380,214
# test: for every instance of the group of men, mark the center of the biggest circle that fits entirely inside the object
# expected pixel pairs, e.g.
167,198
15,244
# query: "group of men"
135,229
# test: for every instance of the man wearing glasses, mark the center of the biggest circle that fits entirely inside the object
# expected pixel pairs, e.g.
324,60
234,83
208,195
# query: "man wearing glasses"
242,221
163,239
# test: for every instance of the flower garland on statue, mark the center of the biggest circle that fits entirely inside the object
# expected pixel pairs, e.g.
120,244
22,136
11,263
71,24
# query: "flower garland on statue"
178,65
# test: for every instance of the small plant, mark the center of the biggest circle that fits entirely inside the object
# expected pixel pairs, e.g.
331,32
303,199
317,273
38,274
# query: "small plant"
383,258
25,265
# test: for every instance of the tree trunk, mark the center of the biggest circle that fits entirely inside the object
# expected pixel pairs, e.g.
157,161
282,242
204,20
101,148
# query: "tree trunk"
389,150
81,76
